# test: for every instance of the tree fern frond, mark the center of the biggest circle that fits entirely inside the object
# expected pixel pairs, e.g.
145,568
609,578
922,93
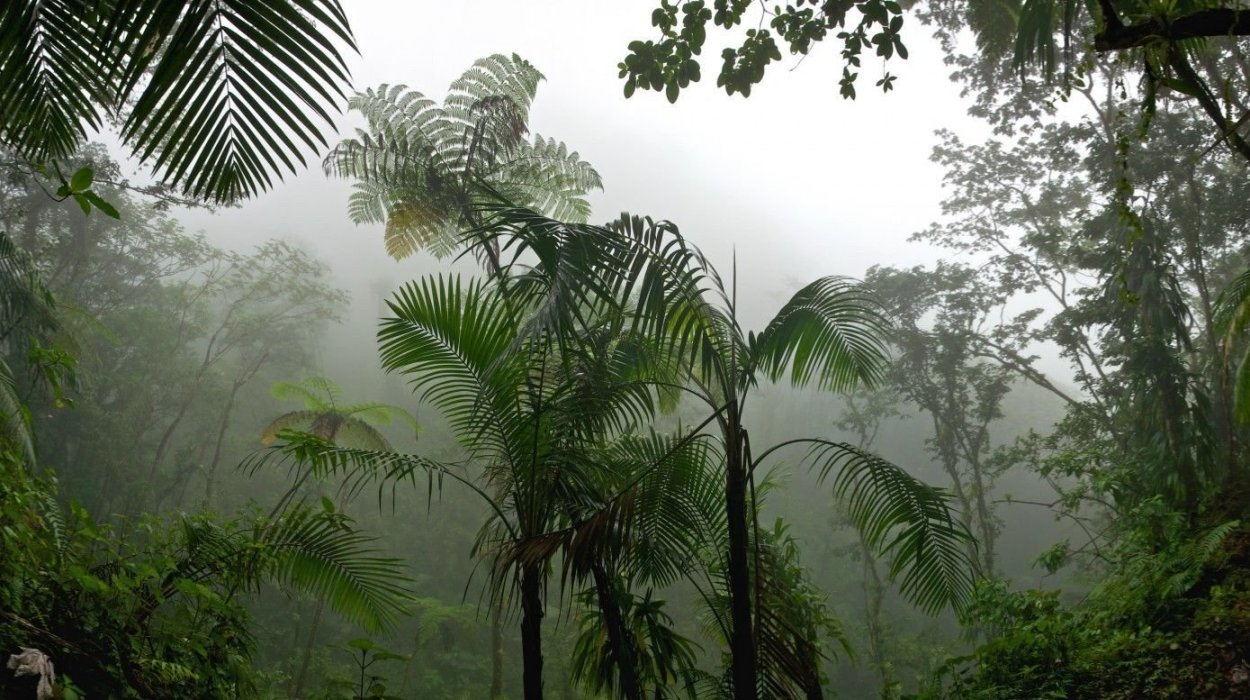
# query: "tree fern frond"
294,420
420,164
548,178
358,433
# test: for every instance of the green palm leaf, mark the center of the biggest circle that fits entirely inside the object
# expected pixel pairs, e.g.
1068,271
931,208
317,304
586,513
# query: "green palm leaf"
1231,317
452,342
220,96
319,554
903,516
50,90
830,331
234,91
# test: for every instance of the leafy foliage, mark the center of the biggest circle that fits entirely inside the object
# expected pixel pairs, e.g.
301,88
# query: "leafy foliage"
157,611
672,63
1163,627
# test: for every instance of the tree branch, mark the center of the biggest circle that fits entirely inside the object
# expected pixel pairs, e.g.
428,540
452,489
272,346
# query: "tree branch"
1215,22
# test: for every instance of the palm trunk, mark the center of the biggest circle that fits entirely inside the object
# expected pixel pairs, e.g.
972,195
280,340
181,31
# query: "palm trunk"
618,634
532,631
742,637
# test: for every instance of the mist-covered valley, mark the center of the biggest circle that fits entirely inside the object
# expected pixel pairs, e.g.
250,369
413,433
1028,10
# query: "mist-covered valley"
851,349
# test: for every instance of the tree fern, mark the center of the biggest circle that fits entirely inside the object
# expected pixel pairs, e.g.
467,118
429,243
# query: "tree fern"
419,163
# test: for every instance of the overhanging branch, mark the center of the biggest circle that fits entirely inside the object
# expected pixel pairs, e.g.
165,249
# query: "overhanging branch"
1215,22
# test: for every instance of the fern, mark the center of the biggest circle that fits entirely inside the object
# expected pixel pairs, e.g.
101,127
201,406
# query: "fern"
419,165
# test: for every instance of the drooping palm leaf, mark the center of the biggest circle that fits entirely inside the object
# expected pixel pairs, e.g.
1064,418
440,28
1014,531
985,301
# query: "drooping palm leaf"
318,554
15,428
899,514
1231,317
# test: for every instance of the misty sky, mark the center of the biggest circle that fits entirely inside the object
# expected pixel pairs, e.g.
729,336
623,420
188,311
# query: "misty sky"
800,181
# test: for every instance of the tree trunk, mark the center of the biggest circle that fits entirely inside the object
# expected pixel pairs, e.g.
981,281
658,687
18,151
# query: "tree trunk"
302,676
618,634
742,638
496,653
532,631
210,477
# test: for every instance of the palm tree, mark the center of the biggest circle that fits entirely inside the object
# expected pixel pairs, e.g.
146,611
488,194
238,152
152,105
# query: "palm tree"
518,366
523,408
325,416
534,369
829,332
419,165
221,97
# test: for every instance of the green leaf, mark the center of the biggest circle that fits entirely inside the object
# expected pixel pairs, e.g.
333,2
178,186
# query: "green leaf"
81,180
361,643
83,203
102,204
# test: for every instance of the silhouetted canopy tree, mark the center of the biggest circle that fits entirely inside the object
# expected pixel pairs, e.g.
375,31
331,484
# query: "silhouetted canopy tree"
1172,42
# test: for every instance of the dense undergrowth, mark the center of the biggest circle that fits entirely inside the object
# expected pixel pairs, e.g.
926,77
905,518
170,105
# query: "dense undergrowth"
1170,623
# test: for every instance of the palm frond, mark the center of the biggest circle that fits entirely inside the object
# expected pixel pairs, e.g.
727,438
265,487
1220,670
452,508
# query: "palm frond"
220,96
831,331
451,341
899,514
1231,317
234,89
320,554
358,467
1036,28
27,306
50,88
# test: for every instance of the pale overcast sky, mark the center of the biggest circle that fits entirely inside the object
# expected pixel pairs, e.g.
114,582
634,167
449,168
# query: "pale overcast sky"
800,181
